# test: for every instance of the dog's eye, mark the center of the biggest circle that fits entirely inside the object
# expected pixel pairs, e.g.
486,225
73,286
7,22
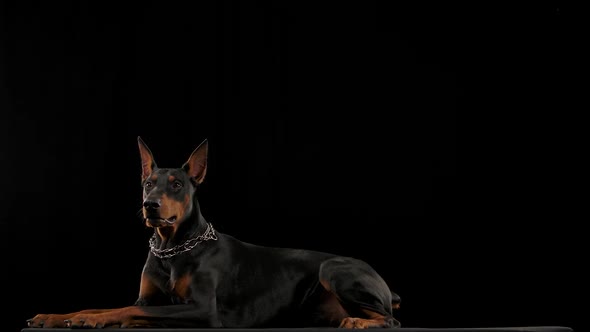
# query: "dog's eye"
176,185
148,185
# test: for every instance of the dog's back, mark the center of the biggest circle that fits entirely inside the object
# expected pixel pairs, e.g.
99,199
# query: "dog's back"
263,286
271,286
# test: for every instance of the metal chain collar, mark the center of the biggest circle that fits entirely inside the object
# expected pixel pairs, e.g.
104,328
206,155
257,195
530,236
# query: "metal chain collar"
183,247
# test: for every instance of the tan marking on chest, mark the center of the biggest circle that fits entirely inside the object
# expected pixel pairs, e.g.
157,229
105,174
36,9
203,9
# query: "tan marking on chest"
147,287
181,287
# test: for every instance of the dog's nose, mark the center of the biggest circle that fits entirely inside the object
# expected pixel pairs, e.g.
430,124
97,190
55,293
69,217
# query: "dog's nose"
150,204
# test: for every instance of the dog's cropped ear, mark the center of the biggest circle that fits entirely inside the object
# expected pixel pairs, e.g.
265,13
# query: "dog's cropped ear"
196,165
147,159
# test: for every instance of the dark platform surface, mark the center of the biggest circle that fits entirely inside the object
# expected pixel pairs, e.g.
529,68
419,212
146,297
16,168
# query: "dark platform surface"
404,329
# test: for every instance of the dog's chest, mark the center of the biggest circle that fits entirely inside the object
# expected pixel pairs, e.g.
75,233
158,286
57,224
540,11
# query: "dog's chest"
180,286
177,283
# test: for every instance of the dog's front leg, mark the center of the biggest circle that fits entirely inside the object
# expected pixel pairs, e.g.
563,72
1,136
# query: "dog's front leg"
121,317
199,309
175,316
58,320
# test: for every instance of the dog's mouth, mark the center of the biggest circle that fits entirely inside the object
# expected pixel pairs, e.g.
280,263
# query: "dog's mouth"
159,221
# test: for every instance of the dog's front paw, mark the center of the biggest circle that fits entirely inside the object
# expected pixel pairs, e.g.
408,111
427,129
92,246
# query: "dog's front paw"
47,320
95,321
105,320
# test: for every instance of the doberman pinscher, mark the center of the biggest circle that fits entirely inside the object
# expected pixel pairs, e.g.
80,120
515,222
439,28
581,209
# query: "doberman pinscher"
197,277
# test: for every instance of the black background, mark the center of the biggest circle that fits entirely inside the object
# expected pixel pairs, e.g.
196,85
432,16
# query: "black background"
438,142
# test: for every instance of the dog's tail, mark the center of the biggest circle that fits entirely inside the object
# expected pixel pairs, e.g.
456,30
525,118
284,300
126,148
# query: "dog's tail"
395,300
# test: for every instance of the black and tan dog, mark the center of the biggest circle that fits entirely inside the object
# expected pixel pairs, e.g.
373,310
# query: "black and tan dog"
196,277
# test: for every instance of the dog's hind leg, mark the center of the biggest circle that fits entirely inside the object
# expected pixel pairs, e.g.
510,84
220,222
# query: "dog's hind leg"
361,292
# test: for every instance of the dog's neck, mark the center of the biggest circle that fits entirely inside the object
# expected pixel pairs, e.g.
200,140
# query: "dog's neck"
175,234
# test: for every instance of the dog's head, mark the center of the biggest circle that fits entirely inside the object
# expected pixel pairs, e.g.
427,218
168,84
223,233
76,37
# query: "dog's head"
168,192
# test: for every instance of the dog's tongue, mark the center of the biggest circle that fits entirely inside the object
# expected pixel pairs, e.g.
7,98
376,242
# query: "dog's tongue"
170,220
159,222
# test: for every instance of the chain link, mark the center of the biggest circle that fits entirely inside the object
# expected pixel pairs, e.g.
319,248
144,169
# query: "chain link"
183,247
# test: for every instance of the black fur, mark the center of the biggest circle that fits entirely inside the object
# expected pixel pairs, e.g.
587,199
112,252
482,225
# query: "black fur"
224,282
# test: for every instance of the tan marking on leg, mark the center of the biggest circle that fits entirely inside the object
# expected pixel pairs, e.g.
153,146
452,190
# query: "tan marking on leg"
330,309
373,319
123,317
